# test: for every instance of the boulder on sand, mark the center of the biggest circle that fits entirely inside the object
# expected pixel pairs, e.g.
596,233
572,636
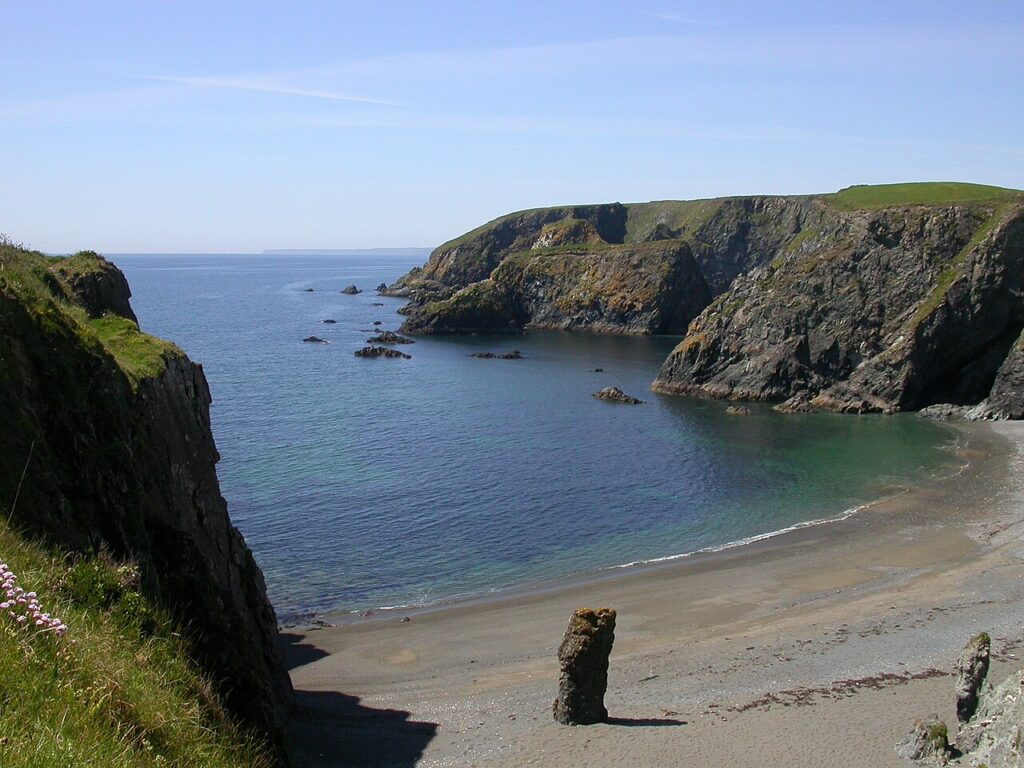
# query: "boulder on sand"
583,662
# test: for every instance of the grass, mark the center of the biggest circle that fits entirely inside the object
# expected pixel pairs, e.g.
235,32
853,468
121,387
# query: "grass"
118,689
36,280
873,197
138,354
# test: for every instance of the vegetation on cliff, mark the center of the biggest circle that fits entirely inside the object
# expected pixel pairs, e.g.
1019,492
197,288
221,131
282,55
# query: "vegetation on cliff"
107,446
118,688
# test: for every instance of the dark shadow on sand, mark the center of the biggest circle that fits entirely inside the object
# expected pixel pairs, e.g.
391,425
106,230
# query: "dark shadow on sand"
643,721
329,729
296,652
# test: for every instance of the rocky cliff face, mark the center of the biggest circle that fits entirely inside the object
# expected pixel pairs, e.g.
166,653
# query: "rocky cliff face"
888,310
111,430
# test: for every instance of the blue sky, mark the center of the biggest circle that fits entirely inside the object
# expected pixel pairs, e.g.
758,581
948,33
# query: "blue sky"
234,127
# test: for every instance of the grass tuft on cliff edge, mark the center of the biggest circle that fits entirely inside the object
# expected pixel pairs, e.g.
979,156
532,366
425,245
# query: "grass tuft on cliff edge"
118,689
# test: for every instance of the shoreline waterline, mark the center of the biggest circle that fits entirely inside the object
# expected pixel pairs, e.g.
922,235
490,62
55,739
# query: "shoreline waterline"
964,443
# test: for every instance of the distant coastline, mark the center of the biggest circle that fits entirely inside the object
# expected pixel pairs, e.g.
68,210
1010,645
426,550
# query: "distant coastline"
347,251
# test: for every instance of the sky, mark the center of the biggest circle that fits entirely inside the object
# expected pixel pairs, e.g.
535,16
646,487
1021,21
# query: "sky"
236,127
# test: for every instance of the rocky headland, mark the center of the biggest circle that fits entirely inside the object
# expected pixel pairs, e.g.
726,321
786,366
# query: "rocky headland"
872,299
108,448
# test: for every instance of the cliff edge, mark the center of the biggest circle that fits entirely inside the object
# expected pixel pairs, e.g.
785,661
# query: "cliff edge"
107,446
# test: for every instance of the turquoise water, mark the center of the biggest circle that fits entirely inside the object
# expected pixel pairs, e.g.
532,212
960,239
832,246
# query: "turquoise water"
368,483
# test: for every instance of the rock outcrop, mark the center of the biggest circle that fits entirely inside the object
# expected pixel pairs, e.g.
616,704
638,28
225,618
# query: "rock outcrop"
96,284
971,669
994,736
111,429
315,340
389,337
372,351
515,354
927,743
583,663
616,395
350,290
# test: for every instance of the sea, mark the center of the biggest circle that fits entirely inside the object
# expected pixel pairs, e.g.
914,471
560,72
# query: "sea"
370,484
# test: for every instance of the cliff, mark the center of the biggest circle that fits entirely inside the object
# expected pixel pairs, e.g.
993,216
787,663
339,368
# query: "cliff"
107,446
884,298
873,308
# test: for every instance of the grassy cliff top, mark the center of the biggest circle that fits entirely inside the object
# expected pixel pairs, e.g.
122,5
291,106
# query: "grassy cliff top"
39,283
872,197
686,215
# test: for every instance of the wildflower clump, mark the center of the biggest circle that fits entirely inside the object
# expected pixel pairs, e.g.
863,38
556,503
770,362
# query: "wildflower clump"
24,608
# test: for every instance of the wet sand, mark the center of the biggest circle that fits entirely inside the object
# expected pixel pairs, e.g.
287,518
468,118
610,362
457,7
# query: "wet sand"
818,647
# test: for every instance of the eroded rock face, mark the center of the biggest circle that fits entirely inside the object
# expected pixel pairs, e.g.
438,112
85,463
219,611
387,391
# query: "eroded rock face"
993,737
583,661
874,312
971,669
97,285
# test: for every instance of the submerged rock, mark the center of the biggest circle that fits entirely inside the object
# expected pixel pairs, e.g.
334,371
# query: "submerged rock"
315,340
378,303
389,337
329,321
971,669
308,290
380,352
376,322
350,290
583,662
738,410
616,395
515,354
927,743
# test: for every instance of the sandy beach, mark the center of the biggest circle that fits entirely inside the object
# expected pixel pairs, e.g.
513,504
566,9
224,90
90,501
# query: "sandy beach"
818,647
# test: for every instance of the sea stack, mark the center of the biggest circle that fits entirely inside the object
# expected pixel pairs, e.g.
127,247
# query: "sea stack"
971,669
583,660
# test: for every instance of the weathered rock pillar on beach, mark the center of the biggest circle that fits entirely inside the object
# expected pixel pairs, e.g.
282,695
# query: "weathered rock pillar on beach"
971,670
583,658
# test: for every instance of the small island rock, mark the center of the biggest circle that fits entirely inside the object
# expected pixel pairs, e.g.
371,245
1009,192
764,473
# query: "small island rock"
376,322
583,663
389,337
616,395
350,290
382,287
515,354
380,352
328,321
315,340
308,290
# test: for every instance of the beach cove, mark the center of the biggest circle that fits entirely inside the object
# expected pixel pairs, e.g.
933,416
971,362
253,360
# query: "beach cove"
819,646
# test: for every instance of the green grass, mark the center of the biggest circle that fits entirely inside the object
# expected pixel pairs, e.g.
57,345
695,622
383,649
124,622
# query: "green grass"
36,280
138,354
117,690
873,197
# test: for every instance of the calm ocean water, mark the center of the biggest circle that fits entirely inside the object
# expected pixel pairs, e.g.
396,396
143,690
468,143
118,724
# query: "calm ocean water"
368,483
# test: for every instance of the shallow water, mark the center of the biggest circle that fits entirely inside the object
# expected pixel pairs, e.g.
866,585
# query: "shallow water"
366,483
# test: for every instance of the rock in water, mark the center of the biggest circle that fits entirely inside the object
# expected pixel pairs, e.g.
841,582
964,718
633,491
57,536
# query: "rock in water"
389,337
380,352
971,670
616,395
927,743
515,354
351,290
315,340
583,659
738,410
329,321
382,287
